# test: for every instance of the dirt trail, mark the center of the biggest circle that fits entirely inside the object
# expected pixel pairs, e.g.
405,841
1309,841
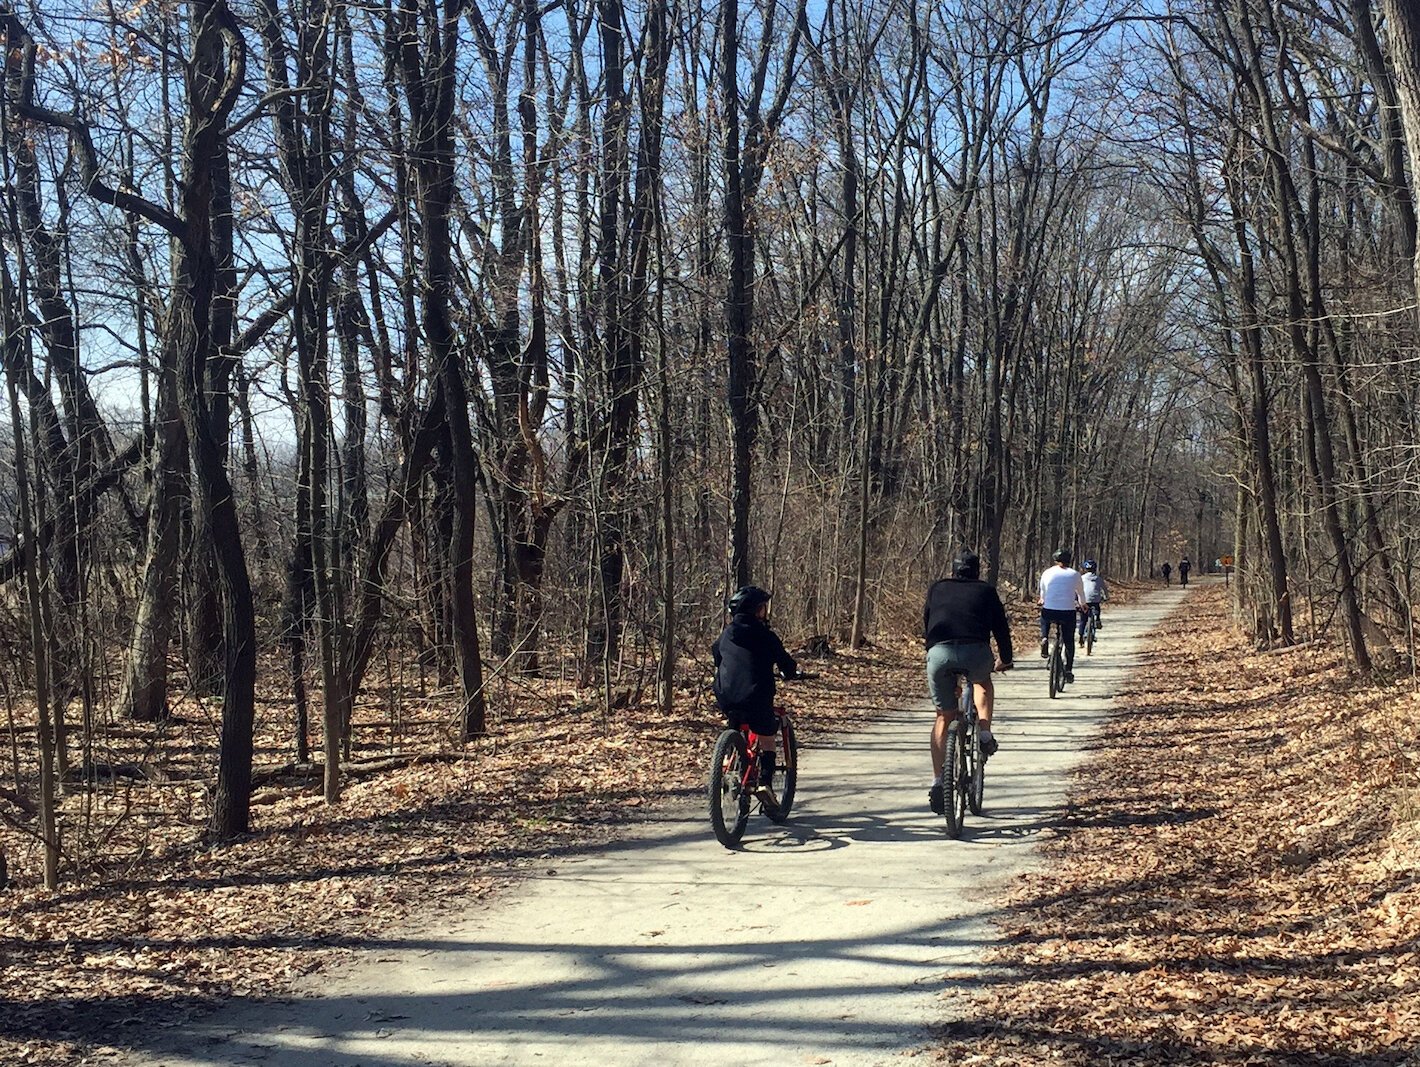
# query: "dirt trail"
828,940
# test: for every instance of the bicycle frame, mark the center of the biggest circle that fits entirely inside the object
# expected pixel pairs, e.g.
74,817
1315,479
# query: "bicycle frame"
752,739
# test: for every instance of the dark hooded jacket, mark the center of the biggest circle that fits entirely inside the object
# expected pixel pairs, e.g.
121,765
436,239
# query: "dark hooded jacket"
746,653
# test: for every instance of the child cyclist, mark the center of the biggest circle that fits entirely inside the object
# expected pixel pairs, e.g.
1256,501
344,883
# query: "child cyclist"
746,653
1096,593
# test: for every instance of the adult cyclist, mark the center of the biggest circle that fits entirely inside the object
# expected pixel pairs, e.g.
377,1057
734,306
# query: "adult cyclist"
746,653
961,615
1183,568
1096,593
1062,593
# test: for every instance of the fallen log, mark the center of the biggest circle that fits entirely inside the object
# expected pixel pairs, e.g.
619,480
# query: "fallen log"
315,769
112,772
24,803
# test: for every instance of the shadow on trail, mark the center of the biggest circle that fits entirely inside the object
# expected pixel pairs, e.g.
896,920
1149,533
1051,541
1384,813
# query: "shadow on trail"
640,995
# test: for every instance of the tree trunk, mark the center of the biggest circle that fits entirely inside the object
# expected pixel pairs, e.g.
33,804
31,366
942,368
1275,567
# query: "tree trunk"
1402,21
429,67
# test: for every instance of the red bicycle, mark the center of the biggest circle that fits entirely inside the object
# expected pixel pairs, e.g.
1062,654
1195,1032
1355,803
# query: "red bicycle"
734,777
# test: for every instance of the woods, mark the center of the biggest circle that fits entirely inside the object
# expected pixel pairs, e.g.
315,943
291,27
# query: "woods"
477,345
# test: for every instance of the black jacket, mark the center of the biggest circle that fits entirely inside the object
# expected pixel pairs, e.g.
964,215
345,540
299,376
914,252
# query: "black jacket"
963,609
746,653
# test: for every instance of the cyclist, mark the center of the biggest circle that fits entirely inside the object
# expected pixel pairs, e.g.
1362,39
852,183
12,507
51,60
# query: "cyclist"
746,653
1166,570
961,615
1061,594
1096,592
1183,568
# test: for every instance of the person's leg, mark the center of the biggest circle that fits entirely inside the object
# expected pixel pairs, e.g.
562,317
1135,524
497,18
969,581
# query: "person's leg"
985,702
939,743
1065,640
1080,626
941,684
1044,633
765,725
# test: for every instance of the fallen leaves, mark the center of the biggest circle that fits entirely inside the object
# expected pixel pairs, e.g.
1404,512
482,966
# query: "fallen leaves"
159,925
1236,881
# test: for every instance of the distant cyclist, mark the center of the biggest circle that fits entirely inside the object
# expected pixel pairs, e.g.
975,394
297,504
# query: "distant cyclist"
1096,593
746,653
1061,595
1166,570
1183,568
960,617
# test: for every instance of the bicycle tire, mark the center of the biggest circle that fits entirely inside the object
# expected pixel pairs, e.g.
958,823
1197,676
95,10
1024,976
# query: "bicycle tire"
975,762
789,754
728,799
976,768
1090,636
1057,673
954,780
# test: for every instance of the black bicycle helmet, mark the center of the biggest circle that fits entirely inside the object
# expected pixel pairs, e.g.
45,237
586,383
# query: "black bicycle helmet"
1088,565
1063,557
967,565
746,599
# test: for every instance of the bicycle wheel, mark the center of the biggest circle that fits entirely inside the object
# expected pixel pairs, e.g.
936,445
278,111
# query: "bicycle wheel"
954,779
1057,671
1090,636
789,757
976,768
729,801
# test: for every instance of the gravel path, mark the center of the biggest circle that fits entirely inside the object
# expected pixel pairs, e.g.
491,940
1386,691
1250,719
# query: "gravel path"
828,940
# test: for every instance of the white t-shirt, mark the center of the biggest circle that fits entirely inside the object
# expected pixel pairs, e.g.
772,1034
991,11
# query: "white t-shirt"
1059,588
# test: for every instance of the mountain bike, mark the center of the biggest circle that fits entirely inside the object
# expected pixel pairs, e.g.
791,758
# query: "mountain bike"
1056,656
734,776
963,765
1091,625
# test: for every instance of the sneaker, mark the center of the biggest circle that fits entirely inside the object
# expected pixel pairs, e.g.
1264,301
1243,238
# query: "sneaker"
988,744
936,800
1070,677
768,802
1044,648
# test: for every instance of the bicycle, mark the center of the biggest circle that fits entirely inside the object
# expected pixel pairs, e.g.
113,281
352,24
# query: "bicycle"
1056,657
1091,625
734,776
963,765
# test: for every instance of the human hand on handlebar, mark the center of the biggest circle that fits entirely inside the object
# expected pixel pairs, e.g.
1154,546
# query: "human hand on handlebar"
1001,665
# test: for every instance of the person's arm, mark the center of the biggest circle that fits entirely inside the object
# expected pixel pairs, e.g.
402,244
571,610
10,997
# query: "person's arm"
1001,630
785,662
715,651
1080,600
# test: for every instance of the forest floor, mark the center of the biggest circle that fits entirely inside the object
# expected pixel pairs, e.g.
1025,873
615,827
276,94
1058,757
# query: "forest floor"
1237,878
1234,880
158,926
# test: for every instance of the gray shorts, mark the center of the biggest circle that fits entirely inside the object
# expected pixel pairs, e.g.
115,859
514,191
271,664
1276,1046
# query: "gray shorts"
944,661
